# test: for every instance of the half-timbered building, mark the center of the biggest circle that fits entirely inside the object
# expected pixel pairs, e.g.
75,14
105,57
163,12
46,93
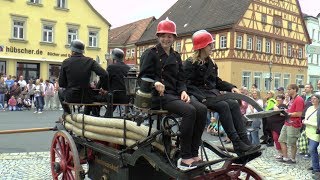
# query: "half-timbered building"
258,42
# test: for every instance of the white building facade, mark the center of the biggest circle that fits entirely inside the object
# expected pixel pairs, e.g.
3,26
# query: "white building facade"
313,49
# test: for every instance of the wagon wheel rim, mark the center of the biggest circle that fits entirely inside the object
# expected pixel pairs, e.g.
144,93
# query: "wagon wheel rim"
234,171
65,161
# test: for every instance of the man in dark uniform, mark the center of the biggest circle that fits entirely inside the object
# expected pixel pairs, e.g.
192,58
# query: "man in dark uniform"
117,72
75,77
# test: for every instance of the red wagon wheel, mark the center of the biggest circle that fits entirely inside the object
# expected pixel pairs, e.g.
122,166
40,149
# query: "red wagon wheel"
65,162
242,172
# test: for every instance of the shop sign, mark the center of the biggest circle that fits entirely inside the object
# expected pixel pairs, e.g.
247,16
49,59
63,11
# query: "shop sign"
12,49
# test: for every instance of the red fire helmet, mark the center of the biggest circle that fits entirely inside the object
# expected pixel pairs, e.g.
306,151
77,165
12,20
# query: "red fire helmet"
166,26
201,39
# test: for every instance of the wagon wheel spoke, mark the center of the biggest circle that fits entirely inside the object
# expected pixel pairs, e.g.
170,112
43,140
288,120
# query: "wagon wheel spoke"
58,153
70,175
70,158
57,175
63,143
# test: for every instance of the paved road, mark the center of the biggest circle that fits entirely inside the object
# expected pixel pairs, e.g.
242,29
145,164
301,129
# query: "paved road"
26,142
28,156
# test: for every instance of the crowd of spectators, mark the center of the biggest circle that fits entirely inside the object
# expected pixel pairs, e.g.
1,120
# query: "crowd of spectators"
18,95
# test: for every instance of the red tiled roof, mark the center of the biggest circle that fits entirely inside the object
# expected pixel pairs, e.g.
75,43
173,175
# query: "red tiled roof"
129,33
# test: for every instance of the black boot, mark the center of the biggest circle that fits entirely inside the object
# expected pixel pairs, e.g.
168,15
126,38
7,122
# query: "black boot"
244,138
240,147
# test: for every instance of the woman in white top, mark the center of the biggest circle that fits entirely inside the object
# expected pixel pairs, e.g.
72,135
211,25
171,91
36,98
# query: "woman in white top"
38,93
256,121
311,132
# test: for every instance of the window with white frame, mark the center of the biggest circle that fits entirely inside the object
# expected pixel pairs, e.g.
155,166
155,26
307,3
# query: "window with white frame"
300,54
128,53
257,79
314,59
223,42
141,50
246,78
93,39
178,46
313,34
318,59
289,50
18,29
249,43
278,48
299,79
132,52
47,33
214,41
268,46
72,34
239,42
318,35
277,80
62,4
267,83
258,44
35,1
286,80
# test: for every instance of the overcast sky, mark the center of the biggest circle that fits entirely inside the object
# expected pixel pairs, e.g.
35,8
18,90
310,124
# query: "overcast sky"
121,12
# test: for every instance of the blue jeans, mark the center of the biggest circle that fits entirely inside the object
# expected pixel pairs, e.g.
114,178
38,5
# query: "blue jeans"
313,150
39,103
255,134
2,100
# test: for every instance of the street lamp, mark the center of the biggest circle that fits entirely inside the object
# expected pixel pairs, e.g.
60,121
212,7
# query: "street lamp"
270,74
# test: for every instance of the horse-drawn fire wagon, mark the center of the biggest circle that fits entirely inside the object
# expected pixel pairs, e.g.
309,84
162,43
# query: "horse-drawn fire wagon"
120,148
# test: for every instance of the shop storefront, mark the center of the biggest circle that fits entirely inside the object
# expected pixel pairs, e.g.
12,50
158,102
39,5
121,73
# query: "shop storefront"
28,70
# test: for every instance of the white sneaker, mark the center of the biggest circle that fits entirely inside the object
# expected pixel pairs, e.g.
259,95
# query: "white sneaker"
39,112
35,112
184,168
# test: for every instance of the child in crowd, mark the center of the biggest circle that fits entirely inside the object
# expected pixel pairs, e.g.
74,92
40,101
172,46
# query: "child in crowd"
19,104
27,103
12,103
214,128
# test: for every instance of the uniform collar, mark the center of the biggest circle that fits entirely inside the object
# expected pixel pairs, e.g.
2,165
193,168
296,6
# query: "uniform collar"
77,55
161,50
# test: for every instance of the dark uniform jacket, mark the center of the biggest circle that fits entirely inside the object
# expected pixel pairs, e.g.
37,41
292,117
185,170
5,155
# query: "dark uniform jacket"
117,72
75,76
157,65
203,81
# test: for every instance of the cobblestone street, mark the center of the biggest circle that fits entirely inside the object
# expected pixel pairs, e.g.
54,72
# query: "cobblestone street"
36,166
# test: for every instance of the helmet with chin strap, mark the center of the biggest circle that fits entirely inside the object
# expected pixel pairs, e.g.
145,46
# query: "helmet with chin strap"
166,26
201,39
